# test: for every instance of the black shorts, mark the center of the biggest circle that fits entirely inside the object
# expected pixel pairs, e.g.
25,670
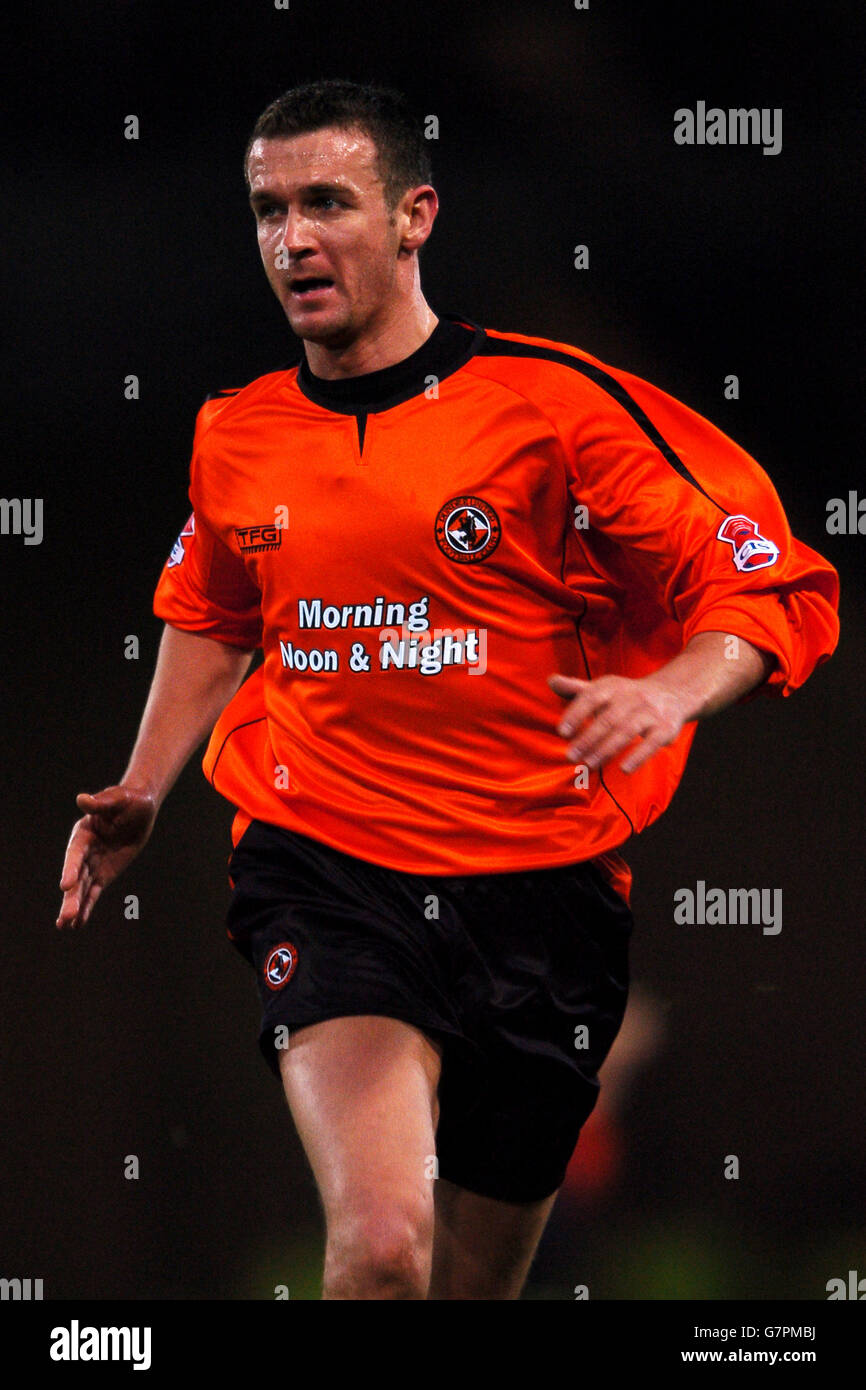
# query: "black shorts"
521,977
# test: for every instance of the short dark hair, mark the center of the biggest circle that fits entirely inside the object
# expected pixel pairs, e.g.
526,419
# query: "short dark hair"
382,113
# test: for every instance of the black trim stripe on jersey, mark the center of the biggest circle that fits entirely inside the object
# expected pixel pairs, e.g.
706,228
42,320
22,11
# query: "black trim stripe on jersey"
247,722
589,676
222,395
508,347
226,391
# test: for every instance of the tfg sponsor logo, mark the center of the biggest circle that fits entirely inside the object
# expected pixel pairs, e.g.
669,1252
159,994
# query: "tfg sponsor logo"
252,539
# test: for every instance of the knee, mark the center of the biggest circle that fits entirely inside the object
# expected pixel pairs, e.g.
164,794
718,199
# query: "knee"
380,1253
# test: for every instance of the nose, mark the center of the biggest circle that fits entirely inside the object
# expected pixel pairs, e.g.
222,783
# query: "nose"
296,233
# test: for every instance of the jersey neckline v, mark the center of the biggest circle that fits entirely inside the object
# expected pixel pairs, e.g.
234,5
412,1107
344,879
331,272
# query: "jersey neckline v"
454,340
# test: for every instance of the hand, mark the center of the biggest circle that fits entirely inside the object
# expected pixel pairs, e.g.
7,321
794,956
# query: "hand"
116,826
614,711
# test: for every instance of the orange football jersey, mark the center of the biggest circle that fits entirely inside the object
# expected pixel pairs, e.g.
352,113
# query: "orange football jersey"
418,548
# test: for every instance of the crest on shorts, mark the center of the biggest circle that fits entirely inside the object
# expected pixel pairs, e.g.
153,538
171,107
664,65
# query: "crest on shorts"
752,551
467,530
280,965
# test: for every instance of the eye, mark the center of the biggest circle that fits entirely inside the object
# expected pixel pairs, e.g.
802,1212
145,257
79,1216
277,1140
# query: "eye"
265,210
324,198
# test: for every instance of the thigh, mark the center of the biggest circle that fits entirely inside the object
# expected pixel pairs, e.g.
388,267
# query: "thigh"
362,1092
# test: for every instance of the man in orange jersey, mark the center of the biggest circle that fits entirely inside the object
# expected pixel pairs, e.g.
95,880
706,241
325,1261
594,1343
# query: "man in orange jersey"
495,583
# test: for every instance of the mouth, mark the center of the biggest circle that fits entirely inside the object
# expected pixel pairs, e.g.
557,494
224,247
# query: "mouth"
309,287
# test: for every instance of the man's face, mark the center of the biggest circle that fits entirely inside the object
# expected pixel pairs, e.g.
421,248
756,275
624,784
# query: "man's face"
321,215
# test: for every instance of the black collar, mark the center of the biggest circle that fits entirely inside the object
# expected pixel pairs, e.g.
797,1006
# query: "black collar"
451,344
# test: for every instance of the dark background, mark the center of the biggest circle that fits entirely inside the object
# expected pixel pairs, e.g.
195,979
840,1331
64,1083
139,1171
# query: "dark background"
556,128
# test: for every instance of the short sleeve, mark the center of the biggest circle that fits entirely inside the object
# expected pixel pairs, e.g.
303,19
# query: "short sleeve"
204,587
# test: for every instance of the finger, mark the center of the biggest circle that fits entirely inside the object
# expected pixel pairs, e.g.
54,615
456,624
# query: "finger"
72,885
70,907
611,731
88,880
71,869
645,750
68,910
604,749
76,852
73,913
107,802
566,686
558,678
587,705
91,902
602,734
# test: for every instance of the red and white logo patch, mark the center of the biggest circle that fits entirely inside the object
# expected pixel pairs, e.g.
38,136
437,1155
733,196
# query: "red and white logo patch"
752,551
280,965
178,550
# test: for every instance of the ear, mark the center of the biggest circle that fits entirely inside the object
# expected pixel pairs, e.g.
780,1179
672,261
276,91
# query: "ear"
418,208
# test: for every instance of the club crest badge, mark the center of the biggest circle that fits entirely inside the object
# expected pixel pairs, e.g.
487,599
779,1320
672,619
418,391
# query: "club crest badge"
752,551
467,530
280,965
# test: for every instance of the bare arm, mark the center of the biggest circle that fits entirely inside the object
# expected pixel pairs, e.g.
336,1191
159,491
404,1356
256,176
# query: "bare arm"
194,679
709,674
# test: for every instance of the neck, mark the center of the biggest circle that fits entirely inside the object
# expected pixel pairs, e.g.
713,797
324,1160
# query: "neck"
380,346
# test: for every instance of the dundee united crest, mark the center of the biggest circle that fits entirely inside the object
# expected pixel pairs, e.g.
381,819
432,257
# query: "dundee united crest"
467,530
280,965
